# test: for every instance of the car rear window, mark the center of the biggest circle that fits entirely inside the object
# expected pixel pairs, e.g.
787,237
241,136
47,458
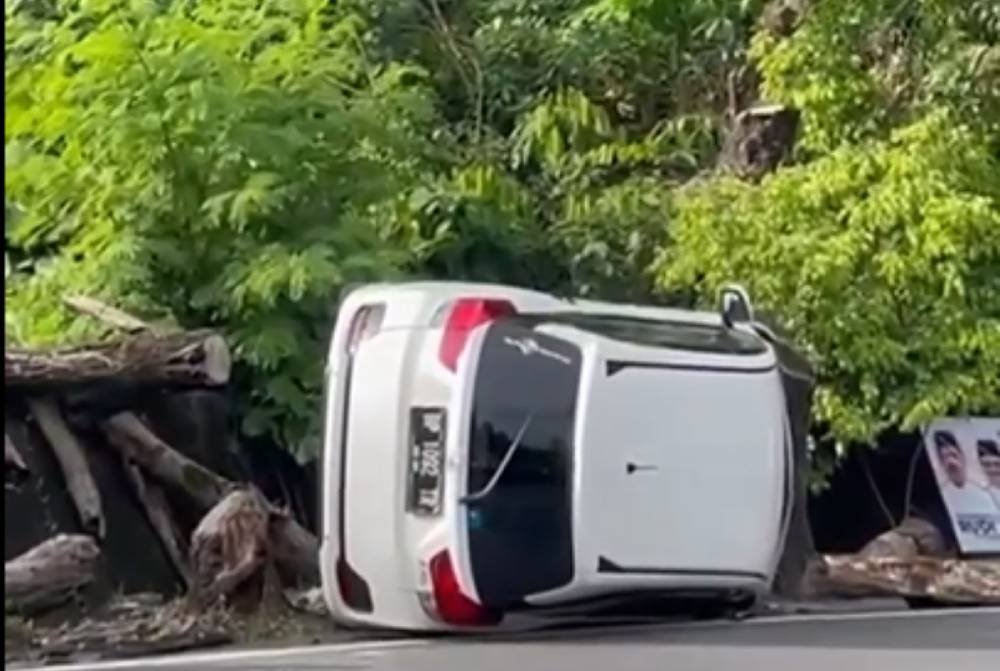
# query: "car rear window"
659,333
520,533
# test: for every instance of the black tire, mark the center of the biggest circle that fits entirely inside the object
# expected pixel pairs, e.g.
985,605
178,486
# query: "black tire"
731,607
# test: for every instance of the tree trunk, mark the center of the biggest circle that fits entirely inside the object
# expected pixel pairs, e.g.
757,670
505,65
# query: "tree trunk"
137,443
157,510
760,140
197,358
75,468
50,573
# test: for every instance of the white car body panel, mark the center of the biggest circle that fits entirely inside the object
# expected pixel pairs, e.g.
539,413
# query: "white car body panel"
718,523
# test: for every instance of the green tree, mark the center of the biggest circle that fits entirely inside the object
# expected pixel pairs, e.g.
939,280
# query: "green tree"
210,163
883,258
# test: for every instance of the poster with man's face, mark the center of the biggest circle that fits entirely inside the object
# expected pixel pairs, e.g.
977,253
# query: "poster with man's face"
965,455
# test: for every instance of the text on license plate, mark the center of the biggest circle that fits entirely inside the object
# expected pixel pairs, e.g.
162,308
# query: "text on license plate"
425,481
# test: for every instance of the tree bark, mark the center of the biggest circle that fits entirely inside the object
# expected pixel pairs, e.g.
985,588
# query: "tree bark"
296,551
157,510
75,468
14,469
197,358
230,545
136,442
50,573
761,138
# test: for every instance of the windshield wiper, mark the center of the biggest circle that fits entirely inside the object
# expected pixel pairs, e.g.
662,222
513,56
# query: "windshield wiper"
491,485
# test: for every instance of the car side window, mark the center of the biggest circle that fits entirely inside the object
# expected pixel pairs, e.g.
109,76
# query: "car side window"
659,333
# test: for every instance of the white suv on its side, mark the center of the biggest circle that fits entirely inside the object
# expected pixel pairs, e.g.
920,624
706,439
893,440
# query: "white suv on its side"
491,450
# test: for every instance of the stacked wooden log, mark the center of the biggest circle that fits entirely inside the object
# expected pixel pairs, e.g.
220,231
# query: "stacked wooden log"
242,540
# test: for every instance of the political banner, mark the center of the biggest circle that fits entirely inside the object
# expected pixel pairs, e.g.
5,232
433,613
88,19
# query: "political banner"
965,455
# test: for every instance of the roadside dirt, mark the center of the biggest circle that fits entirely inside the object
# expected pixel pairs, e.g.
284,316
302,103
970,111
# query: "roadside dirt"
142,625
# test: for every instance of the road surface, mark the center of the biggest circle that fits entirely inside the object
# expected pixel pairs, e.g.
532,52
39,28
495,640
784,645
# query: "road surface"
910,641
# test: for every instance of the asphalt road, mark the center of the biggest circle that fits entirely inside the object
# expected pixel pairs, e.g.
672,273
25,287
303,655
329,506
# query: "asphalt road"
910,641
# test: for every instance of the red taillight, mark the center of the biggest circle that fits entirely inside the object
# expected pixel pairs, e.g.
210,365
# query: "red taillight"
451,604
466,314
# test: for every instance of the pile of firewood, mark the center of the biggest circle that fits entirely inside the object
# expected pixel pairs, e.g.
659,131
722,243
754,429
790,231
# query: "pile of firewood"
242,549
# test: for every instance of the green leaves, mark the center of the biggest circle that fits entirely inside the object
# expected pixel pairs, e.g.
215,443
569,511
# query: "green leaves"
233,163
216,161
884,258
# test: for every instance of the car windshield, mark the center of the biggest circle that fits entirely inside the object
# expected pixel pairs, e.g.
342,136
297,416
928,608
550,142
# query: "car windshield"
658,333
519,515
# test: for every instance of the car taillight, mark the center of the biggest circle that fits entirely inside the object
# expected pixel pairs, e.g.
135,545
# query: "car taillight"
466,314
365,323
450,604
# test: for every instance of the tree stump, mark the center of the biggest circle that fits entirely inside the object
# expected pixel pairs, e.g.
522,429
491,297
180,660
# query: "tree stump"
230,549
761,138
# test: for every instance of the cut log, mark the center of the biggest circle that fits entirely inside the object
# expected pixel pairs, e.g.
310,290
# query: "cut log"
295,549
105,313
11,457
50,573
15,471
157,510
136,442
75,468
230,546
197,358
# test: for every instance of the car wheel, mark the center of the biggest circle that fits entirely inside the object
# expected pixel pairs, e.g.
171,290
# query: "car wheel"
730,607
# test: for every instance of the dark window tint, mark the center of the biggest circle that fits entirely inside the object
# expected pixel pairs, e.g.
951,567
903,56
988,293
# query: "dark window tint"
520,533
658,333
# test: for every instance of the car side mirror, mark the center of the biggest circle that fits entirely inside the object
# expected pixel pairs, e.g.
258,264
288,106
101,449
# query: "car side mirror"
734,305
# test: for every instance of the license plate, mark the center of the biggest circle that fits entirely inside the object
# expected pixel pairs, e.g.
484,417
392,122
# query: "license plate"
426,461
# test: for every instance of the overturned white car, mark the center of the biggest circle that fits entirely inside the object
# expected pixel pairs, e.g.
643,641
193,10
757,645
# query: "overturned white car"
491,450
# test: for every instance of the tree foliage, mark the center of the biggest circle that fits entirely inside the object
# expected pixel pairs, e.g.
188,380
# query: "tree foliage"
883,259
214,162
234,163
